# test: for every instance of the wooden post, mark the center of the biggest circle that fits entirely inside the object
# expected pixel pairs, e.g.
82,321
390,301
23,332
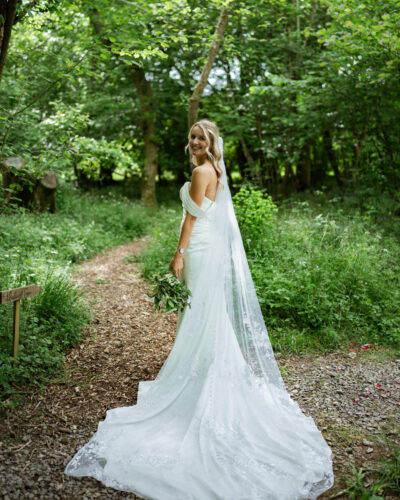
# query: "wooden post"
15,295
17,308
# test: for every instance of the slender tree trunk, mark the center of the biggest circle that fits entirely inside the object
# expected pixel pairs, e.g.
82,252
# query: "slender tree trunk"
358,148
147,122
287,178
246,152
148,127
194,100
304,167
8,9
275,177
241,162
332,157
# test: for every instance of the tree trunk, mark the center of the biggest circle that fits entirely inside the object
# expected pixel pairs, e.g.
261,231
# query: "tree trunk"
147,122
286,179
254,169
332,157
148,127
8,9
194,100
270,181
304,168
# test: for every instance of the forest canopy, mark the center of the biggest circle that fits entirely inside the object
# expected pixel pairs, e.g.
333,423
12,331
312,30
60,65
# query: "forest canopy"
305,92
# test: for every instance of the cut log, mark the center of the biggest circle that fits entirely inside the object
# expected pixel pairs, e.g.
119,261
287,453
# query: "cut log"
44,193
49,180
14,161
12,173
31,191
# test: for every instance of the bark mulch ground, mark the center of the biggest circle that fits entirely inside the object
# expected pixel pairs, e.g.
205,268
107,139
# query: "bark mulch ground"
353,397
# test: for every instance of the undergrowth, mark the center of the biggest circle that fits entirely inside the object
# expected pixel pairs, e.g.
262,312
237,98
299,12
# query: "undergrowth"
40,249
326,276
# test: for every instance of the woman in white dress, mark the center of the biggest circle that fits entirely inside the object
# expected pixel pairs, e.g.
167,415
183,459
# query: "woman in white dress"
217,422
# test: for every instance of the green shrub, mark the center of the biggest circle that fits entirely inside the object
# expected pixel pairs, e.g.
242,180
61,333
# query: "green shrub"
164,239
255,213
330,276
98,160
50,323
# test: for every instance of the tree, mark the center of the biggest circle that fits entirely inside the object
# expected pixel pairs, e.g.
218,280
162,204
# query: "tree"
8,9
212,53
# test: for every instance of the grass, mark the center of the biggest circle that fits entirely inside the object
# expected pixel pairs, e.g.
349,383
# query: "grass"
380,482
326,270
325,279
164,238
41,249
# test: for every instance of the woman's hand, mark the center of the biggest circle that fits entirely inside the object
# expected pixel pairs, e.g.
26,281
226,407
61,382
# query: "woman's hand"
176,264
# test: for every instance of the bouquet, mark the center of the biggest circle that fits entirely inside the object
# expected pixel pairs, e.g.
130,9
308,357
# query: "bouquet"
170,293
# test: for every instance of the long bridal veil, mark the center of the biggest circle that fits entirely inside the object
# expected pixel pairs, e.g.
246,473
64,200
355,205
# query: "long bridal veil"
217,422
240,296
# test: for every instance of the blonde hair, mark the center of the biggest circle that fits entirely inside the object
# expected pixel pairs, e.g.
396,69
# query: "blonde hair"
214,154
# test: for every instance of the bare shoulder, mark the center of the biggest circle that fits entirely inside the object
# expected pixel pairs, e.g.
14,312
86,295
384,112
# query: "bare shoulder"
203,171
203,178
203,174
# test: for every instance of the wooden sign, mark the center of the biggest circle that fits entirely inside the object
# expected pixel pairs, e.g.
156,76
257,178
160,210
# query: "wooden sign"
15,295
22,292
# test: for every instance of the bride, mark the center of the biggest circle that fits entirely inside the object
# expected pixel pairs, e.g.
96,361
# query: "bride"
217,422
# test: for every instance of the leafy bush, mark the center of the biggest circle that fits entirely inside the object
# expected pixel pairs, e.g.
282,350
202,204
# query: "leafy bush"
328,280
255,212
50,323
98,160
164,238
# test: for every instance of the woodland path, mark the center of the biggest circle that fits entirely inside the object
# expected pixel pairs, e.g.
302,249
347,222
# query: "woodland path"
354,399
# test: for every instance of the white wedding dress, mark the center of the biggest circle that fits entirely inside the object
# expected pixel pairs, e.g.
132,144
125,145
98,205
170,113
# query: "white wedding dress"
209,427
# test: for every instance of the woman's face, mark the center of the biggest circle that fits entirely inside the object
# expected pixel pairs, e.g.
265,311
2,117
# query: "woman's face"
197,143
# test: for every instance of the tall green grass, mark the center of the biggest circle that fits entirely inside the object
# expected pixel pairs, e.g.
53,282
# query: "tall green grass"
326,271
41,249
164,239
327,279
326,274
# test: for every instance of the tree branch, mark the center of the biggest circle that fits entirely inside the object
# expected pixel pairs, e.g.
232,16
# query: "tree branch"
194,100
7,10
24,12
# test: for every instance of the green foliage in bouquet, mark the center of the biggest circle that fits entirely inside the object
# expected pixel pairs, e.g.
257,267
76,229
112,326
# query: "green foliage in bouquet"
170,293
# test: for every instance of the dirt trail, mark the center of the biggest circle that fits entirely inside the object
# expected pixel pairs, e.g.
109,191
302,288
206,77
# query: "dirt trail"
126,343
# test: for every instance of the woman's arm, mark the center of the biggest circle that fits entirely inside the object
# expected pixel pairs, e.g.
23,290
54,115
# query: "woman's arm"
197,192
198,186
